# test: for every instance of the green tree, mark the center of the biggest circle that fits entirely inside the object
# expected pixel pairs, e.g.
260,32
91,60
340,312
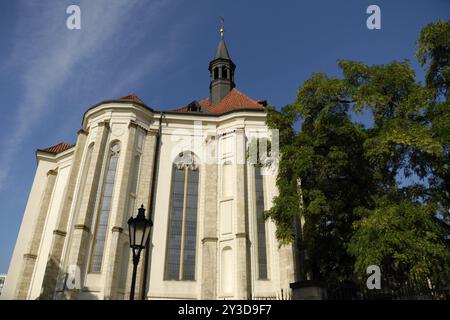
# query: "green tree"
327,155
434,54
403,238
357,207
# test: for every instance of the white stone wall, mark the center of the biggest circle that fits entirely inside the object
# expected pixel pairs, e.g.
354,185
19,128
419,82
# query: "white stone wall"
177,136
45,163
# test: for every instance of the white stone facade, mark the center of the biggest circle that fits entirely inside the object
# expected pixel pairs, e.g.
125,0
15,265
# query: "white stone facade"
209,239
226,258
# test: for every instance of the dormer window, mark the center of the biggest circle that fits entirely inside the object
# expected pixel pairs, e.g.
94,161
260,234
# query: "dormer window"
194,106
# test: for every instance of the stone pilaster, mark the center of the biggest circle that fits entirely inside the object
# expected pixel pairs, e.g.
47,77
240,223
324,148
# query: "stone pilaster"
241,233
117,237
209,240
144,191
30,256
59,234
286,266
81,232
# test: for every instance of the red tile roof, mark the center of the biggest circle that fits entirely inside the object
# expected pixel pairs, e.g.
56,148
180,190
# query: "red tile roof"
132,97
234,100
60,147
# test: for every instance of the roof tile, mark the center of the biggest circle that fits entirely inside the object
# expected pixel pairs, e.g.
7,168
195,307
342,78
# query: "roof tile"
132,97
234,100
58,148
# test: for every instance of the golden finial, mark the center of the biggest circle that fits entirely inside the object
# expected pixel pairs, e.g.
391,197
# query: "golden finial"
222,29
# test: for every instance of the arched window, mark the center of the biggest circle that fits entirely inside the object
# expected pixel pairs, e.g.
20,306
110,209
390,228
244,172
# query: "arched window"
135,170
216,73
182,236
224,72
104,208
260,224
87,162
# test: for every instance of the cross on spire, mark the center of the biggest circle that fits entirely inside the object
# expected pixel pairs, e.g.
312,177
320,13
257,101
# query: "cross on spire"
222,29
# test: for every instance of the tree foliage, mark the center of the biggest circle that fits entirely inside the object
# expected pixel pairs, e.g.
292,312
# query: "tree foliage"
370,195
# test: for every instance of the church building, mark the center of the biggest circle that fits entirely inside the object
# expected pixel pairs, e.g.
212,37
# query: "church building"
189,167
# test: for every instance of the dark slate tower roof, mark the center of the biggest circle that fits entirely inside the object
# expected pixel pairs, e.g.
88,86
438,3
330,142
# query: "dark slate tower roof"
221,70
222,51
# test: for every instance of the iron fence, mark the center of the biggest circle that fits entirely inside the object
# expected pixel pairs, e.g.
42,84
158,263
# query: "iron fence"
390,290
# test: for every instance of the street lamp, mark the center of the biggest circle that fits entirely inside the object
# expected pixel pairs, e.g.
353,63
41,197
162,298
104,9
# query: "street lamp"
139,229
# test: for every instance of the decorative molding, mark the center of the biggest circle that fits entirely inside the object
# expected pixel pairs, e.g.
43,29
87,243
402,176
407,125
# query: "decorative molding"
226,133
104,123
241,235
30,256
117,229
209,239
117,132
132,124
82,131
152,132
210,138
186,159
52,172
59,233
240,130
115,149
82,227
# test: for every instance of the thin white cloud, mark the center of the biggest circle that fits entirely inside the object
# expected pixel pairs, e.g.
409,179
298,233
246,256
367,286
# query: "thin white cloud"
49,54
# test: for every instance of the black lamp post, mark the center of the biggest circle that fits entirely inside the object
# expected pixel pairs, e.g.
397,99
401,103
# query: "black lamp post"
139,229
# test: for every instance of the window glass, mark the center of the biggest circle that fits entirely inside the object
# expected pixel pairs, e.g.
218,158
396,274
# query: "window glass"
105,208
182,237
260,225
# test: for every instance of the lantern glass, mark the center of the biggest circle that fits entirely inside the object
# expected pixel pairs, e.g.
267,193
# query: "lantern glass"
139,229
139,233
146,233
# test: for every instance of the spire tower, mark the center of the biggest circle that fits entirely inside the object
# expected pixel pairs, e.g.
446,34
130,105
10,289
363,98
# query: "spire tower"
221,70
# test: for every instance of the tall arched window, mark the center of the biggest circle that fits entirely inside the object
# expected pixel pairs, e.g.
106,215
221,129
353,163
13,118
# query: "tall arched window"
87,162
135,170
216,73
260,224
104,208
182,236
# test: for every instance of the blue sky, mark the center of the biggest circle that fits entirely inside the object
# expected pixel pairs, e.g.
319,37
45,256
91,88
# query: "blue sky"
160,50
